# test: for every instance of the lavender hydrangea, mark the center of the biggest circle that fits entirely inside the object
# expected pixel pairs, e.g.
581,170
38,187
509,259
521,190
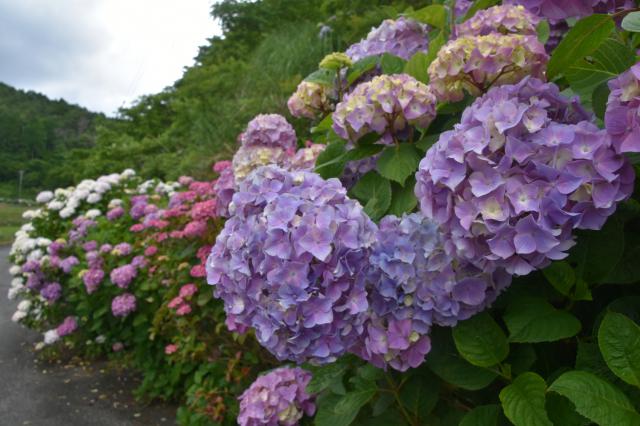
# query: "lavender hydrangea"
386,105
504,19
310,100
68,326
224,187
289,263
92,279
474,64
51,292
305,158
622,117
277,398
249,158
269,130
123,275
414,284
556,10
123,305
518,174
68,263
402,37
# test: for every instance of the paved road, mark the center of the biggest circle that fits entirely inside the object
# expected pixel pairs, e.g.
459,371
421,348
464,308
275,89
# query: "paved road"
69,394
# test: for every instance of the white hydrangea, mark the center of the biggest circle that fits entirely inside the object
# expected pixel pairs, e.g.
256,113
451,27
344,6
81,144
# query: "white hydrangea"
55,205
35,254
51,336
43,242
24,306
93,213
44,197
116,202
101,187
128,174
67,212
101,339
93,198
15,270
18,316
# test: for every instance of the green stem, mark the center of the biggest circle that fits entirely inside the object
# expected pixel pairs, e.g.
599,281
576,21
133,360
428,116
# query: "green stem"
396,395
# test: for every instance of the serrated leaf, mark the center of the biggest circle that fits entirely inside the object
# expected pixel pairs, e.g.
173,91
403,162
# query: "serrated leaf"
582,40
483,415
523,401
322,76
480,341
323,377
619,342
392,64
339,410
398,162
419,395
561,276
434,15
446,363
533,320
331,161
374,192
403,198
631,22
562,411
361,67
596,399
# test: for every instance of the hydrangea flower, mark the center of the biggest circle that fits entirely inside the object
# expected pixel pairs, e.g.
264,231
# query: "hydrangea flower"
289,263
310,100
402,37
123,305
474,64
115,213
51,292
269,130
386,105
414,284
504,19
123,275
562,9
518,174
622,117
92,279
68,326
305,158
277,398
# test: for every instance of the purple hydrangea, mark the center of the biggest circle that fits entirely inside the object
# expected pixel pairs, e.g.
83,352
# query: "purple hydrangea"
305,158
81,226
269,130
122,249
68,326
55,247
115,213
248,158
622,117
51,292
138,205
474,64
504,19
94,259
139,262
123,305
518,174
289,263
224,187
461,7
68,263
123,275
387,105
557,10
414,283
277,398
402,37
90,246
92,279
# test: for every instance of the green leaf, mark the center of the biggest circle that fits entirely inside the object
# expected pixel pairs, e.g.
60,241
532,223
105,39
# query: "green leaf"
482,415
331,161
419,395
596,399
582,40
403,198
324,125
360,67
619,342
523,401
479,5
561,276
521,358
543,31
417,67
374,192
362,151
398,162
434,15
599,99
445,361
631,22
322,76
533,320
562,411
323,377
336,410
392,64
427,141
481,341
627,269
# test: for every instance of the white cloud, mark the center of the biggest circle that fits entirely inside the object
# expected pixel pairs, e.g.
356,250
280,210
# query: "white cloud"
100,54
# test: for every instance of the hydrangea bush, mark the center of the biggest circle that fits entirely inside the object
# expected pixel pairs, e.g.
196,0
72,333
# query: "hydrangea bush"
446,244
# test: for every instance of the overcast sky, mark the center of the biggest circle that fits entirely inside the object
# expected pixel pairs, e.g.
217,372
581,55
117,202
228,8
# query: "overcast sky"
100,54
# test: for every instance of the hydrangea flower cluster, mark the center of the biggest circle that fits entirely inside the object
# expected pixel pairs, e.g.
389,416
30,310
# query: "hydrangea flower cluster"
556,10
474,64
305,158
414,284
386,105
310,100
622,117
504,19
277,398
517,175
289,264
402,37
123,305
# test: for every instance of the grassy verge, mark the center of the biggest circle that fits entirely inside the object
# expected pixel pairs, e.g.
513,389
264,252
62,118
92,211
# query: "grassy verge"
10,221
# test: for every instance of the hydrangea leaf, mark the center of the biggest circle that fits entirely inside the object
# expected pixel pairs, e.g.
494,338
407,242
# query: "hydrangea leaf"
398,162
419,63
360,67
322,76
324,376
631,22
419,395
392,64
481,341
562,411
599,99
482,415
434,15
523,401
533,320
337,410
374,192
561,276
582,40
521,358
403,199
619,341
331,161
596,399
479,5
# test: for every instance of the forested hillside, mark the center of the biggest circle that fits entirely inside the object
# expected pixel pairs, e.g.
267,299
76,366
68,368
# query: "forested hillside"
37,135
266,49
